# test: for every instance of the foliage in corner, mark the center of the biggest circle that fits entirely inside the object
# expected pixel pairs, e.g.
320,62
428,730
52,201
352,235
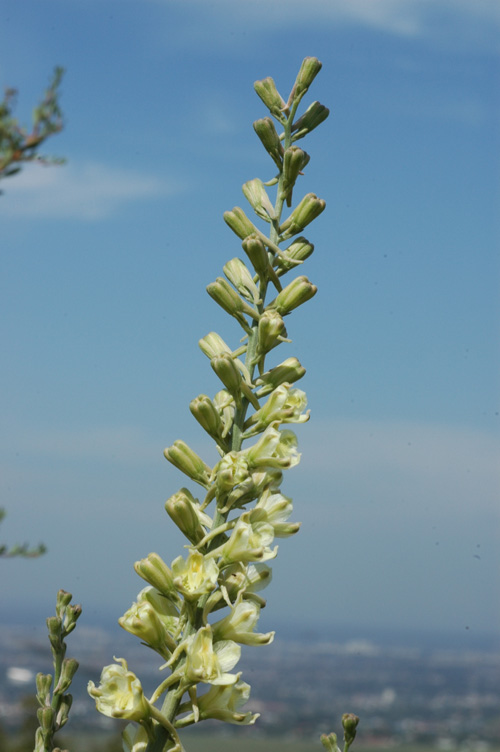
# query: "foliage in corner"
19,144
20,549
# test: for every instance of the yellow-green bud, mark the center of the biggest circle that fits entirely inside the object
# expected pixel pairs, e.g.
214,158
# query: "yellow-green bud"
223,294
294,161
212,344
271,328
183,457
264,128
142,621
225,404
267,91
349,722
315,114
293,295
156,573
239,222
257,197
309,69
207,415
256,252
63,712
227,371
309,208
299,250
239,275
183,509
288,371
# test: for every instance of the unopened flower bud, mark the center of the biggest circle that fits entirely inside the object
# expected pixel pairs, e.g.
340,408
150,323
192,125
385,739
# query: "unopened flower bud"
299,291
134,738
267,91
63,712
69,669
350,723
239,222
183,457
304,213
309,69
142,621
227,371
257,197
207,415
329,742
226,407
239,275
288,371
43,685
183,509
294,161
156,573
270,139
212,344
257,253
271,328
46,718
223,294
299,250
315,114
54,627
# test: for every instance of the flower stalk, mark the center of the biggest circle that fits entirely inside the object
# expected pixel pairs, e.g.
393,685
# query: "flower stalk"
232,530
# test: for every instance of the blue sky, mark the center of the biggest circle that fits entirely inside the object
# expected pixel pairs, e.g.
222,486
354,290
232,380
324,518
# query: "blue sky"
104,264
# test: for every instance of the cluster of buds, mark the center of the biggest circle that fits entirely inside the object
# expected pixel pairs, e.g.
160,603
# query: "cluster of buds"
231,529
52,691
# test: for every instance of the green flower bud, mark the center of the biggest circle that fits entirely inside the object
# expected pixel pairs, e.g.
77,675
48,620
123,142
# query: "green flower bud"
183,457
309,208
256,252
299,250
350,723
227,371
46,718
239,275
43,685
309,69
225,296
267,91
63,712
239,222
69,669
212,344
329,742
207,415
271,328
54,628
196,576
256,195
299,291
156,573
315,114
288,371
120,694
184,510
270,139
294,162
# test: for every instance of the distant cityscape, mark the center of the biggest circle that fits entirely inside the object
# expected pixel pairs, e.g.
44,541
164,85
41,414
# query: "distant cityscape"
442,696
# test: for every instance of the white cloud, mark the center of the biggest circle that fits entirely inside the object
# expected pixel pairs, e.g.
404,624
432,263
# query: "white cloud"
401,17
87,191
